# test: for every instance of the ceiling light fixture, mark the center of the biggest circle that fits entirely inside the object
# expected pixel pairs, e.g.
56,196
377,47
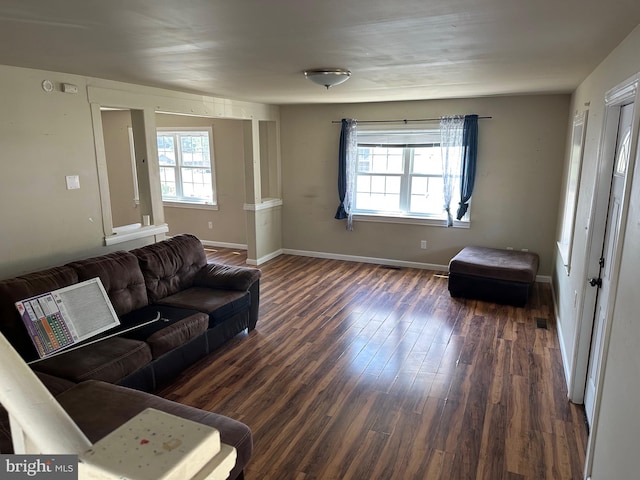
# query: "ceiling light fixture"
327,77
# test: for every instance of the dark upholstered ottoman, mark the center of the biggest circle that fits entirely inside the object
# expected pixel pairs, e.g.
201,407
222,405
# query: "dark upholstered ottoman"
494,275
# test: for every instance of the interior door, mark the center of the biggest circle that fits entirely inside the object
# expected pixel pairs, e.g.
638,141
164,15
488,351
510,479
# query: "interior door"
603,282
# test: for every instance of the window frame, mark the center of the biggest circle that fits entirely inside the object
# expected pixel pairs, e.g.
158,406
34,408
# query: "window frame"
181,200
404,215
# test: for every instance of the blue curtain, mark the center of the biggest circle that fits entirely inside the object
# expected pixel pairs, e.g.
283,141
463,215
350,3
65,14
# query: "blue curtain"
469,159
342,170
347,170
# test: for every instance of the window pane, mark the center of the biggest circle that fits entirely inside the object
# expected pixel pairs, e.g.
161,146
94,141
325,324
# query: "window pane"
427,160
168,182
426,195
166,150
378,184
364,160
196,184
386,160
378,192
393,185
195,150
363,183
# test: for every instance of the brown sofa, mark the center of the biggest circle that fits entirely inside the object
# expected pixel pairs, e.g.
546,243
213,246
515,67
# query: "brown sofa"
201,304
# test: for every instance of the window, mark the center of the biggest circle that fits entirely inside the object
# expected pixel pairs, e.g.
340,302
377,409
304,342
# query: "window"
399,173
186,166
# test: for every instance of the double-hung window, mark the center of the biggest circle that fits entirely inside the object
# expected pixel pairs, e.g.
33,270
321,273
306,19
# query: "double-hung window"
186,166
399,174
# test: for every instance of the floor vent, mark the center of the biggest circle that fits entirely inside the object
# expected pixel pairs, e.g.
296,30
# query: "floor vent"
541,322
390,267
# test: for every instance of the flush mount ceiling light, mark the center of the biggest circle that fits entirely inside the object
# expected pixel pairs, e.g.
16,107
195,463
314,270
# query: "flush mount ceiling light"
328,76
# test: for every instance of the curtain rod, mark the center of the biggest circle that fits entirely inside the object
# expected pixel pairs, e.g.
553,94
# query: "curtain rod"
404,120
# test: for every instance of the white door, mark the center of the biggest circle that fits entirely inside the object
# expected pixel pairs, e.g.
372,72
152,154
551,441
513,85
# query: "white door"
621,163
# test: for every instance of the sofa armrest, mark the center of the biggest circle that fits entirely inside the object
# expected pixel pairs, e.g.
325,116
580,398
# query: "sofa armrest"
228,277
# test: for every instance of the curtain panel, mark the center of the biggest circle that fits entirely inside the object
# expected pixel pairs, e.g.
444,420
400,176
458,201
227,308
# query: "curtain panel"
450,149
459,149
347,158
469,159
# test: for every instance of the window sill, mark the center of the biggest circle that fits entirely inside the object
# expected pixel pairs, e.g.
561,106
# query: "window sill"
197,206
433,222
135,233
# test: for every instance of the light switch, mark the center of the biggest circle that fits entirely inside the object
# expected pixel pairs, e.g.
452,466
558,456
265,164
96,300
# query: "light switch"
73,182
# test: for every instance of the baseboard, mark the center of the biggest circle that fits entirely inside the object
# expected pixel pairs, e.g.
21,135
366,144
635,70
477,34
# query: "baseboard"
347,258
213,243
563,352
374,260
265,259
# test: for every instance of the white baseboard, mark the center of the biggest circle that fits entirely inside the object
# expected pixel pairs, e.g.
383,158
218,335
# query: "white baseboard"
347,258
374,260
563,353
213,243
265,259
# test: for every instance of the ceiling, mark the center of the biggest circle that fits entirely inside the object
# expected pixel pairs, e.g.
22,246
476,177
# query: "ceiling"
257,50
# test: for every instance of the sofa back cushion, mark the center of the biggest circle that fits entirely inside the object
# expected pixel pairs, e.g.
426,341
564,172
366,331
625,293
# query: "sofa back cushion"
15,289
171,265
121,276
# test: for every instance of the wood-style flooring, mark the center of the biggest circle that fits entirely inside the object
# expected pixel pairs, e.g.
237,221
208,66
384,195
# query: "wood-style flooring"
357,371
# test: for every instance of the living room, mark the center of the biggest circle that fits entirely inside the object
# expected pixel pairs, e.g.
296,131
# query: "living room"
524,158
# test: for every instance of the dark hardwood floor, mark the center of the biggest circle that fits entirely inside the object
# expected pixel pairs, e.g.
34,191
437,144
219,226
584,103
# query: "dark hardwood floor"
358,371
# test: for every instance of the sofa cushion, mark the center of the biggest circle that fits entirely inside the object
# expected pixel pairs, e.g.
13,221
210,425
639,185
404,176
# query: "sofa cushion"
167,334
171,265
108,360
218,304
121,276
99,408
25,286
229,277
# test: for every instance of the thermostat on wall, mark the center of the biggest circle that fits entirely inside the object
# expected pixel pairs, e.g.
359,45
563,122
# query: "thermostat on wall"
69,88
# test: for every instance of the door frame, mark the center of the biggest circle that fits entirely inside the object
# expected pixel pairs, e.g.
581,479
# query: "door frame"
626,92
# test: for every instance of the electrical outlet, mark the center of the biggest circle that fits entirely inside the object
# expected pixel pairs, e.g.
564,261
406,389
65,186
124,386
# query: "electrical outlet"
423,244
210,224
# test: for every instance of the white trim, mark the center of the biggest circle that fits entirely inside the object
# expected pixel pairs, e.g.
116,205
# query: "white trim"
265,259
195,206
434,222
622,91
355,258
614,99
214,243
266,204
563,352
141,232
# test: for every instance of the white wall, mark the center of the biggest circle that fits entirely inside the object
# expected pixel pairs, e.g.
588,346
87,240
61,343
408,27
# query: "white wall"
617,428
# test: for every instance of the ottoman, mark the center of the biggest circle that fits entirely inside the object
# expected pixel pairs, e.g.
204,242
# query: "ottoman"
494,275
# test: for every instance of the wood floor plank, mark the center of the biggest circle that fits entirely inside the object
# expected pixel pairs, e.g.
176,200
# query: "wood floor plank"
358,371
